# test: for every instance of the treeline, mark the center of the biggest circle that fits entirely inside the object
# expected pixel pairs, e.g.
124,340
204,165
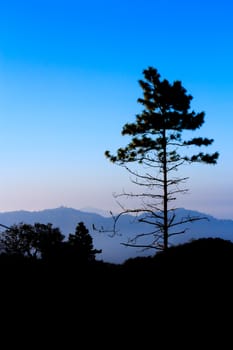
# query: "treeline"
43,242
43,246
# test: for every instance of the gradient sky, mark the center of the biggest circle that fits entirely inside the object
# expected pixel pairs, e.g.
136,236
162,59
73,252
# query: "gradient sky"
69,74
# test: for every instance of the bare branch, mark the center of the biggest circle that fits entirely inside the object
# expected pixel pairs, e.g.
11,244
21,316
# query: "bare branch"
188,219
158,247
177,233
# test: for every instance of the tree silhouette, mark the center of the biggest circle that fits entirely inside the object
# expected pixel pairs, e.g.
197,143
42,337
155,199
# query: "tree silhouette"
49,240
81,244
27,240
157,144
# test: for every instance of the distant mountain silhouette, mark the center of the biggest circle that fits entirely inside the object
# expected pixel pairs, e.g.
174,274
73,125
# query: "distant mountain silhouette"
112,250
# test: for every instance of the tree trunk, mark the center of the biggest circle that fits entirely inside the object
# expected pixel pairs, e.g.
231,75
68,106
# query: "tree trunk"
165,195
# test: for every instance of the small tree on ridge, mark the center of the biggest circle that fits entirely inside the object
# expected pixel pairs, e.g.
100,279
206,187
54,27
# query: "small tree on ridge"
82,244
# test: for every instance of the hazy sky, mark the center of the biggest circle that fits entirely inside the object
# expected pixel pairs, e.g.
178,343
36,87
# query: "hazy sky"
69,74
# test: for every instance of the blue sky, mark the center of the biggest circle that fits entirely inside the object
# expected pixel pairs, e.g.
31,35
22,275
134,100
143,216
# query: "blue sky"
69,74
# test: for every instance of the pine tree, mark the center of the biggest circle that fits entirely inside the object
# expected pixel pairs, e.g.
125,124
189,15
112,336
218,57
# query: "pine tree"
158,145
82,244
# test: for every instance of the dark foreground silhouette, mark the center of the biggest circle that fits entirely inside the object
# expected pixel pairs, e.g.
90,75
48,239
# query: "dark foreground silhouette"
206,262
186,289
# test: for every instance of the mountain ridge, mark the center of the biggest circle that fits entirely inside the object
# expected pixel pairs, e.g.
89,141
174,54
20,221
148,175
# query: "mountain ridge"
113,251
